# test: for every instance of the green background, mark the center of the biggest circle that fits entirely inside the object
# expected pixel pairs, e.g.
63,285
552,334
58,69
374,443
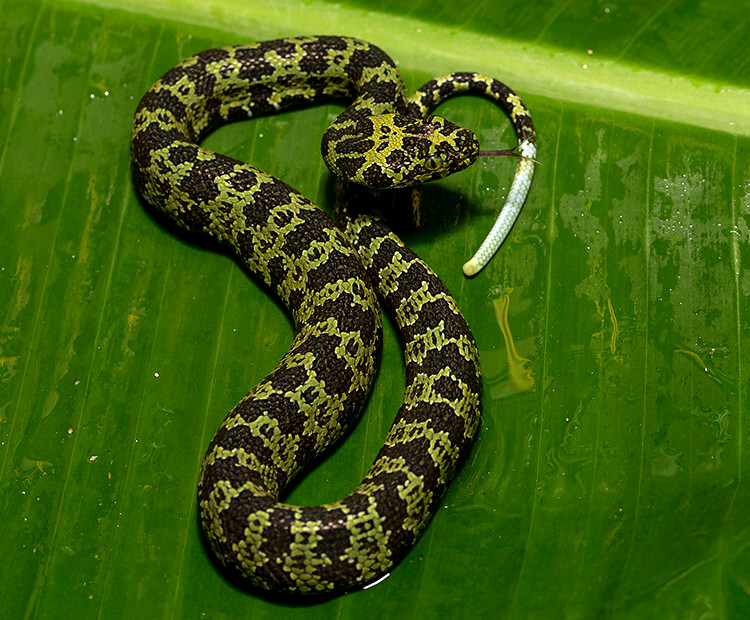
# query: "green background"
610,476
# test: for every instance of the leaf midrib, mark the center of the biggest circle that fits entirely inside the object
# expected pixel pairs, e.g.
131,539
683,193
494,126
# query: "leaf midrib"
434,48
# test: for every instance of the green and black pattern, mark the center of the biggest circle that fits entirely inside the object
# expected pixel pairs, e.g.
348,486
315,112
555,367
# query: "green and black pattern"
316,390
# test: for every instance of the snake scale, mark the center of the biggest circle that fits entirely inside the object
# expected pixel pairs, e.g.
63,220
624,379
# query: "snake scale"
326,275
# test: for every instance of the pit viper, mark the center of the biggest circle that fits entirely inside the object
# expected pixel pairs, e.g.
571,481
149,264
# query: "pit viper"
326,275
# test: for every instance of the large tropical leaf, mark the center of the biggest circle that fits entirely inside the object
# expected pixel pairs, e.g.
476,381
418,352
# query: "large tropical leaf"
610,477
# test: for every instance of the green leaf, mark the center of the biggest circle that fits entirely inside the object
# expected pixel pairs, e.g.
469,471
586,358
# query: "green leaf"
610,477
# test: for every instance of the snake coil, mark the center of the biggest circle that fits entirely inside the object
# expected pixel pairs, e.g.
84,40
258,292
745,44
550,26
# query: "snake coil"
383,139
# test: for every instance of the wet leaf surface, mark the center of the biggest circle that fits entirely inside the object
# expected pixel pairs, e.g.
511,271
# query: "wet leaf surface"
610,474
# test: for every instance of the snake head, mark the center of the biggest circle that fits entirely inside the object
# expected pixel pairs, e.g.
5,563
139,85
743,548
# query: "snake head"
387,151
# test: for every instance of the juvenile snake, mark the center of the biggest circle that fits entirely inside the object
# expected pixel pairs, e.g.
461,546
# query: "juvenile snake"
382,140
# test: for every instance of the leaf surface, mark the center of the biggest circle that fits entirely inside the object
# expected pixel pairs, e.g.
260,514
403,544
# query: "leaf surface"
610,474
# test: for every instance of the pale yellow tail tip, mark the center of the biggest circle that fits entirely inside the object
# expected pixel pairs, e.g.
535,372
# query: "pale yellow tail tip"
472,268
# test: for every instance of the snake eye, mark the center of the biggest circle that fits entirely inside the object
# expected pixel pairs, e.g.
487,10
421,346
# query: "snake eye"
434,162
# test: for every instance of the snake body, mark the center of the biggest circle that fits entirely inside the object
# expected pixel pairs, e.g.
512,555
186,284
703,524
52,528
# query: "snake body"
316,390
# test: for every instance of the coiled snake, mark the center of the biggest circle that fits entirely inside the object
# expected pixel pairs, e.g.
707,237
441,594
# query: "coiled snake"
384,139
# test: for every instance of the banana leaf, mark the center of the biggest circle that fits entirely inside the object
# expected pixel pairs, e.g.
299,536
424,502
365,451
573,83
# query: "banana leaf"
610,475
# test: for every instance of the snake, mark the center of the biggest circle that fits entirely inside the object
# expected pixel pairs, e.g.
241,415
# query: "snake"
329,276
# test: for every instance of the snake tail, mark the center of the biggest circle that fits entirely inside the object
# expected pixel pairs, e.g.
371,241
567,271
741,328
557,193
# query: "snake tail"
423,102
